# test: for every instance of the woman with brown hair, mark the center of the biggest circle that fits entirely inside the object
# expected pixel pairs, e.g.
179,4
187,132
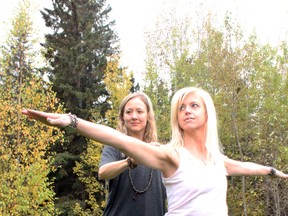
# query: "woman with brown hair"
133,189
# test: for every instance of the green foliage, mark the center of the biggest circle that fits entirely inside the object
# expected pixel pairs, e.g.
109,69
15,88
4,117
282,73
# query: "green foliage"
24,160
25,165
248,82
118,84
87,171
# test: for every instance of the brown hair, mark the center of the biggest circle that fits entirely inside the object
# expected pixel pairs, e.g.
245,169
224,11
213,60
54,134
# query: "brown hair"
150,134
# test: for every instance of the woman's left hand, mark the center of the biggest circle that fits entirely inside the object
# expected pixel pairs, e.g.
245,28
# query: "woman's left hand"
280,174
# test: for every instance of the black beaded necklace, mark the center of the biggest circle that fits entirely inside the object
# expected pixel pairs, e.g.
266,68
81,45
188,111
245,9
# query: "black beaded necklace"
137,191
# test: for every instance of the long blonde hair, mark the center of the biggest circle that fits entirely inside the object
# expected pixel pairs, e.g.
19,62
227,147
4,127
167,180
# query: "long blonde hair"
150,134
212,142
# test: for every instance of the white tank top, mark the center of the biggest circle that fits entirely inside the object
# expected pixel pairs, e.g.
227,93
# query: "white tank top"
197,189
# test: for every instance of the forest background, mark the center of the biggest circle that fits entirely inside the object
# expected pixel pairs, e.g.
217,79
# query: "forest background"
48,171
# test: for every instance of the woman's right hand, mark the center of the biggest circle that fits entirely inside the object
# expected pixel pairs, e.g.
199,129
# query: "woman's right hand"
51,119
131,163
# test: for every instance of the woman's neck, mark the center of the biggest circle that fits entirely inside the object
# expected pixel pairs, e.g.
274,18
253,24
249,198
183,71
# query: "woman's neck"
195,142
138,135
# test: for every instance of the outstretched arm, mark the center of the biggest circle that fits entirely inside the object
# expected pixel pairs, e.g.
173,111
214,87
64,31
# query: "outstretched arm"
148,155
239,168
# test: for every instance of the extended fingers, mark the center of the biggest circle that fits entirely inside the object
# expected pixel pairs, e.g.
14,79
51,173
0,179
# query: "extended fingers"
51,119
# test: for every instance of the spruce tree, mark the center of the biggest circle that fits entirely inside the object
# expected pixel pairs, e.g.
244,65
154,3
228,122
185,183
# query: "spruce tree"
78,49
81,41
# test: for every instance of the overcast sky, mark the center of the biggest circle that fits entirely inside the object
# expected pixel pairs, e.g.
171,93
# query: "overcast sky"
134,17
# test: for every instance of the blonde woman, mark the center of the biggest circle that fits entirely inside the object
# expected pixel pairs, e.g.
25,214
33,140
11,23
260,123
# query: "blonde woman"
193,168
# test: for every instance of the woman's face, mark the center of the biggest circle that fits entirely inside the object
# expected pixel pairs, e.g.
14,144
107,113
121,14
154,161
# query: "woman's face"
135,116
192,113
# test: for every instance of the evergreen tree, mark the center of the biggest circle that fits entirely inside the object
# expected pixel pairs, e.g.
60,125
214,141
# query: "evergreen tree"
77,50
81,41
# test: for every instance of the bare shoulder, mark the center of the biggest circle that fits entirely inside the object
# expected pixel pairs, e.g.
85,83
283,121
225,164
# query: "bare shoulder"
169,151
